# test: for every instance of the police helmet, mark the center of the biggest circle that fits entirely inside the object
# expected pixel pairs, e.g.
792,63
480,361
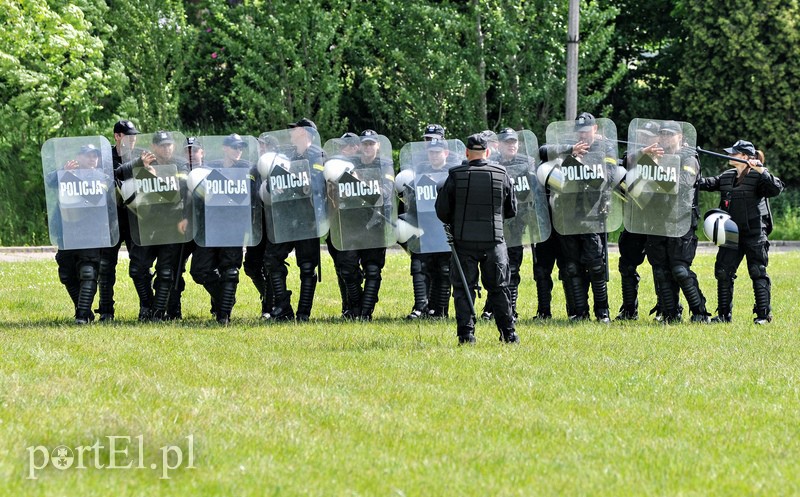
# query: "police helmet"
721,229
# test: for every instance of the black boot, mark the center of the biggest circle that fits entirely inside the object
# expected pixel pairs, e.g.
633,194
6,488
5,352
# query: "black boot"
142,282
597,278
162,288
544,295
762,308
227,295
420,285
440,297
691,290
667,303
372,285
88,288
306,300
630,298
107,278
283,298
578,298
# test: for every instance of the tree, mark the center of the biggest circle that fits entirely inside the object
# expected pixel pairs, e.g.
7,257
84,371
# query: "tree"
51,78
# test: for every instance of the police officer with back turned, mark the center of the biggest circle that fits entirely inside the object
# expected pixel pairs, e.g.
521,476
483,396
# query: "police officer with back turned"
474,201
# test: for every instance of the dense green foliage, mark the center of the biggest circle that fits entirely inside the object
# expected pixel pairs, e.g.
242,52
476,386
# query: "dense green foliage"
71,68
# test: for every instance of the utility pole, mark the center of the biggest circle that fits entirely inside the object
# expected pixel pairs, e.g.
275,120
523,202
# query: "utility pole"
573,39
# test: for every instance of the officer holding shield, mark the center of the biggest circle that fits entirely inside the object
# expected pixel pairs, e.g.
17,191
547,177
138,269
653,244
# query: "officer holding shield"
159,215
474,201
213,266
360,234
672,256
744,192
82,178
304,147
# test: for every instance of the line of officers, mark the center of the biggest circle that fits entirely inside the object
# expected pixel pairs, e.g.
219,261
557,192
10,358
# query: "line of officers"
167,197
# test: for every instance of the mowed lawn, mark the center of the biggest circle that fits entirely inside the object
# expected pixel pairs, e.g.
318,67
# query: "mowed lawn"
394,407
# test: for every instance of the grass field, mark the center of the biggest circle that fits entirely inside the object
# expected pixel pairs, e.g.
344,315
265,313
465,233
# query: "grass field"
397,408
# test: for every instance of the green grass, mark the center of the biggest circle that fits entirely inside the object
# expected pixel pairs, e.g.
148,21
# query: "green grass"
397,408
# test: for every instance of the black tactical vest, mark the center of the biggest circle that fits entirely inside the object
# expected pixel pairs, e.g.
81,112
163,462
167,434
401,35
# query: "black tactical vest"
747,209
479,203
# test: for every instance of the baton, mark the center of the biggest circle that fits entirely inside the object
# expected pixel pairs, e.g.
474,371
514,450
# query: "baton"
722,156
448,231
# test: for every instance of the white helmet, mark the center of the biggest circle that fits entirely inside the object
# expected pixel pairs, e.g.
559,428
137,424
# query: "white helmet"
404,178
549,174
196,176
269,160
335,168
721,229
404,231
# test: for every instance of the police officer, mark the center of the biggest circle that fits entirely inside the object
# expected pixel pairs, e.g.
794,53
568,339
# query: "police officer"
474,201
744,192
672,257
349,149
369,262
430,272
307,252
78,268
584,254
154,295
632,245
124,143
217,268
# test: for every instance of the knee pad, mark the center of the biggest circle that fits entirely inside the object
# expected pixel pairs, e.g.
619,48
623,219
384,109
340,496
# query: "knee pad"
139,272
572,269
660,273
372,272
757,271
165,273
627,270
597,270
87,272
540,273
64,275
417,266
105,266
444,268
681,273
723,274
230,274
308,270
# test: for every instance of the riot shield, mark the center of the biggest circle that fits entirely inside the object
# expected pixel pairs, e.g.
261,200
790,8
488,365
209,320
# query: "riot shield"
519,157
79,191
425,167
223,185
659,183
362,206
582,199
156,193
293,187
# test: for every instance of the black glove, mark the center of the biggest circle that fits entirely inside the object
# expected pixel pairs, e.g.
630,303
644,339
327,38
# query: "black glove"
448,233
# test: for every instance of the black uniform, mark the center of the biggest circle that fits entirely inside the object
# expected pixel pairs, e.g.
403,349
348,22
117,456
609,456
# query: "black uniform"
307,254
744,198
154,296
474,201
672,257
365,264
77,269
217,268
430,272
584,255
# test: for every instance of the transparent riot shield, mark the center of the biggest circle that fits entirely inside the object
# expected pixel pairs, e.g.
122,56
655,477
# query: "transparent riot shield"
362,205
581,183
425,167
79,191
293,186
155,191
224,191
532,223
660,177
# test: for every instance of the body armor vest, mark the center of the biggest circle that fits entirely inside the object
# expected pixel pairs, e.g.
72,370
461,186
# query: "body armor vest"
479,192
747,208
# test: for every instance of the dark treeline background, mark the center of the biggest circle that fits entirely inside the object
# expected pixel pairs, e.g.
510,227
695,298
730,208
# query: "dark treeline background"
72,68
